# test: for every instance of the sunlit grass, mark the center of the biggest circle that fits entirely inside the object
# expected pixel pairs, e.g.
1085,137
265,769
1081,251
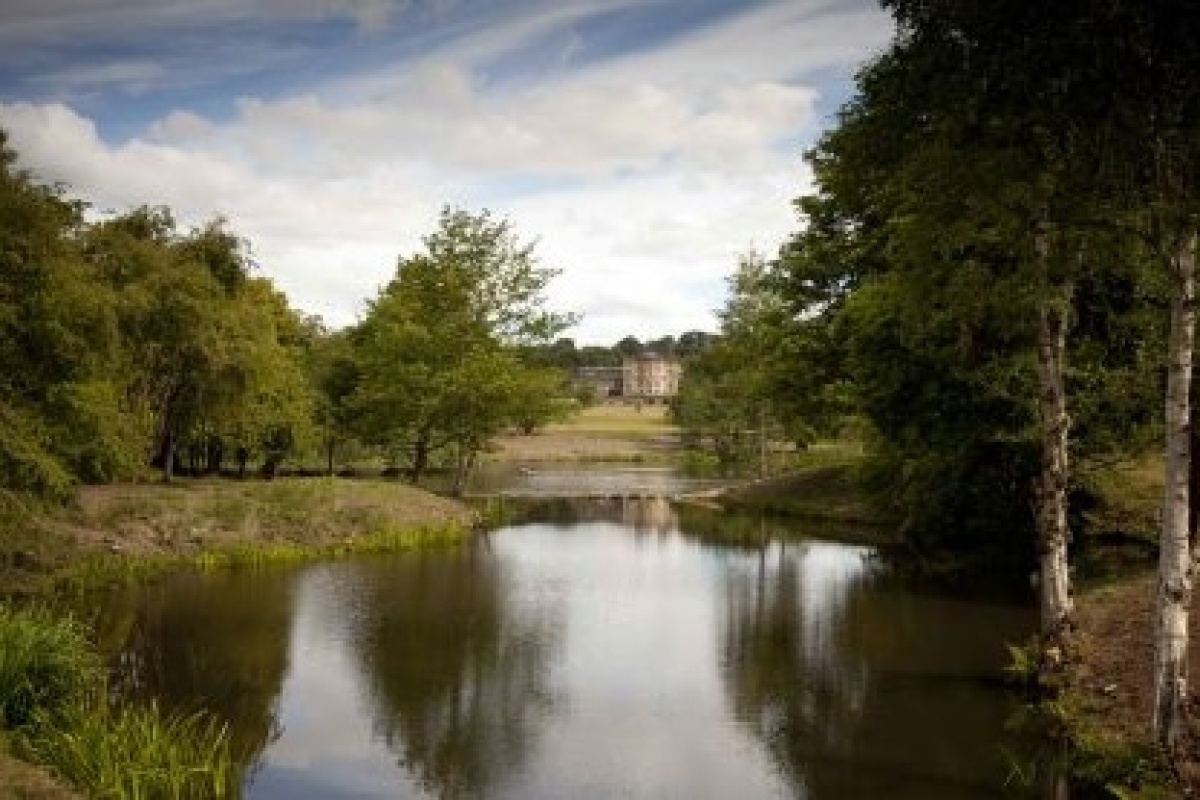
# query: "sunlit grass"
102,570
617,419
1129,496
136,752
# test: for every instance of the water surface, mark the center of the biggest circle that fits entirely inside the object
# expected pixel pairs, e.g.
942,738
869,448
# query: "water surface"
618,653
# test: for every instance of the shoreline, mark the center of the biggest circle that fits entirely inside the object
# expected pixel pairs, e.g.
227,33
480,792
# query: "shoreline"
130,532
125,530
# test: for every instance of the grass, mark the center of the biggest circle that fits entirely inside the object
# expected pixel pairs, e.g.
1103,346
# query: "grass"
824,484
135,752
56,712
124,532
100,570
46,663
617,420
607,433
1128,497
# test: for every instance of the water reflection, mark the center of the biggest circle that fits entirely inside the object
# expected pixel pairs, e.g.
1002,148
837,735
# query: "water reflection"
414,678
650,514
861,688
611,648
215,641
457,676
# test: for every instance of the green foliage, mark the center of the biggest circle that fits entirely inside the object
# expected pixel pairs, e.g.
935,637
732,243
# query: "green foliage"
135,752
965,190
731,398
47,665
438,357
126,342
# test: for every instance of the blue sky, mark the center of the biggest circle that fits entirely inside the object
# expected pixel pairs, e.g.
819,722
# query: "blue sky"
643,143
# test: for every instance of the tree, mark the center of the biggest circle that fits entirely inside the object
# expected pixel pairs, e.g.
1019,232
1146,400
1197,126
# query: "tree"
979,162
438,350
713,407
58,342
629,347
334,372
726,398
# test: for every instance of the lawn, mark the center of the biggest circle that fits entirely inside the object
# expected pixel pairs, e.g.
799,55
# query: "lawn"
617,420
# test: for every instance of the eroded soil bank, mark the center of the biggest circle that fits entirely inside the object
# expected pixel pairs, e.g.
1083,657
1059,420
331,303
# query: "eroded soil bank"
1108,699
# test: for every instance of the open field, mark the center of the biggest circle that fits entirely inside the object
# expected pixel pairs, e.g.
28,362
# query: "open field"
601,433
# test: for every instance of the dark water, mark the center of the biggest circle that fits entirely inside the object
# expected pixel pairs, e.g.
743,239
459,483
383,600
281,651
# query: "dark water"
620,653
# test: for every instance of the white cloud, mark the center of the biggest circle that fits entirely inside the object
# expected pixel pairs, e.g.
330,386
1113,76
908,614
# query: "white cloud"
643,176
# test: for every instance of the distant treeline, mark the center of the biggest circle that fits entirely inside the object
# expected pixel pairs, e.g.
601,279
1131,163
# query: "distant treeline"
565,354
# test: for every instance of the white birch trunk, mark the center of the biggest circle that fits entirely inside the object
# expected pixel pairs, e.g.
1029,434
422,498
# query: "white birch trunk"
1174,566
1057,607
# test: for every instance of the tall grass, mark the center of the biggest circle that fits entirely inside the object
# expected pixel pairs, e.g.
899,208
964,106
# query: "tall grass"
53,699
136,753
46,663
103,570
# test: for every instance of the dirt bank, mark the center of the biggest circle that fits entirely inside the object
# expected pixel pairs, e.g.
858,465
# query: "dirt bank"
1108,699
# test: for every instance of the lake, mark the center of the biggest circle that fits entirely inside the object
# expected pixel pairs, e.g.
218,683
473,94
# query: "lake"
598,649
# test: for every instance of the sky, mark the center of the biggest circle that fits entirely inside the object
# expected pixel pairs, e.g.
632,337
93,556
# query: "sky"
643,144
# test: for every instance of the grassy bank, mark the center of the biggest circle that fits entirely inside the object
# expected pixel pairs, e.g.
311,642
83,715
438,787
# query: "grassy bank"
128,530
827,493
822,485
120,533
1104,707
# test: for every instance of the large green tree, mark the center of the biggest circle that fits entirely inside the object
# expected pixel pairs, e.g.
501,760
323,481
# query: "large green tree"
59,416
438,351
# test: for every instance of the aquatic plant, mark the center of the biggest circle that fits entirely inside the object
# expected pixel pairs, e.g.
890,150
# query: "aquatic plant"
136,752
101,570
46,663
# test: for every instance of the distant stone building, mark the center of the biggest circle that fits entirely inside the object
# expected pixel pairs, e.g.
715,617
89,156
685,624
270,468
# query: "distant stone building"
650,378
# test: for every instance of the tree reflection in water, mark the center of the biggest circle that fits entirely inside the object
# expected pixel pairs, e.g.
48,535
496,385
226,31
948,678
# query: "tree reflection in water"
205,641
458,678
848,679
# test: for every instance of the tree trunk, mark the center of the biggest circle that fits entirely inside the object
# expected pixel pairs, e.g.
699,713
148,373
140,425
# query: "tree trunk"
168,457
466,462
330,452
420,460
1174,566
215,455
1057,607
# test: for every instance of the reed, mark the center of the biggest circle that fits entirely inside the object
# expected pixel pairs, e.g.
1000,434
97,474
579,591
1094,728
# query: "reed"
46,663
135,752
107,570
54,704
